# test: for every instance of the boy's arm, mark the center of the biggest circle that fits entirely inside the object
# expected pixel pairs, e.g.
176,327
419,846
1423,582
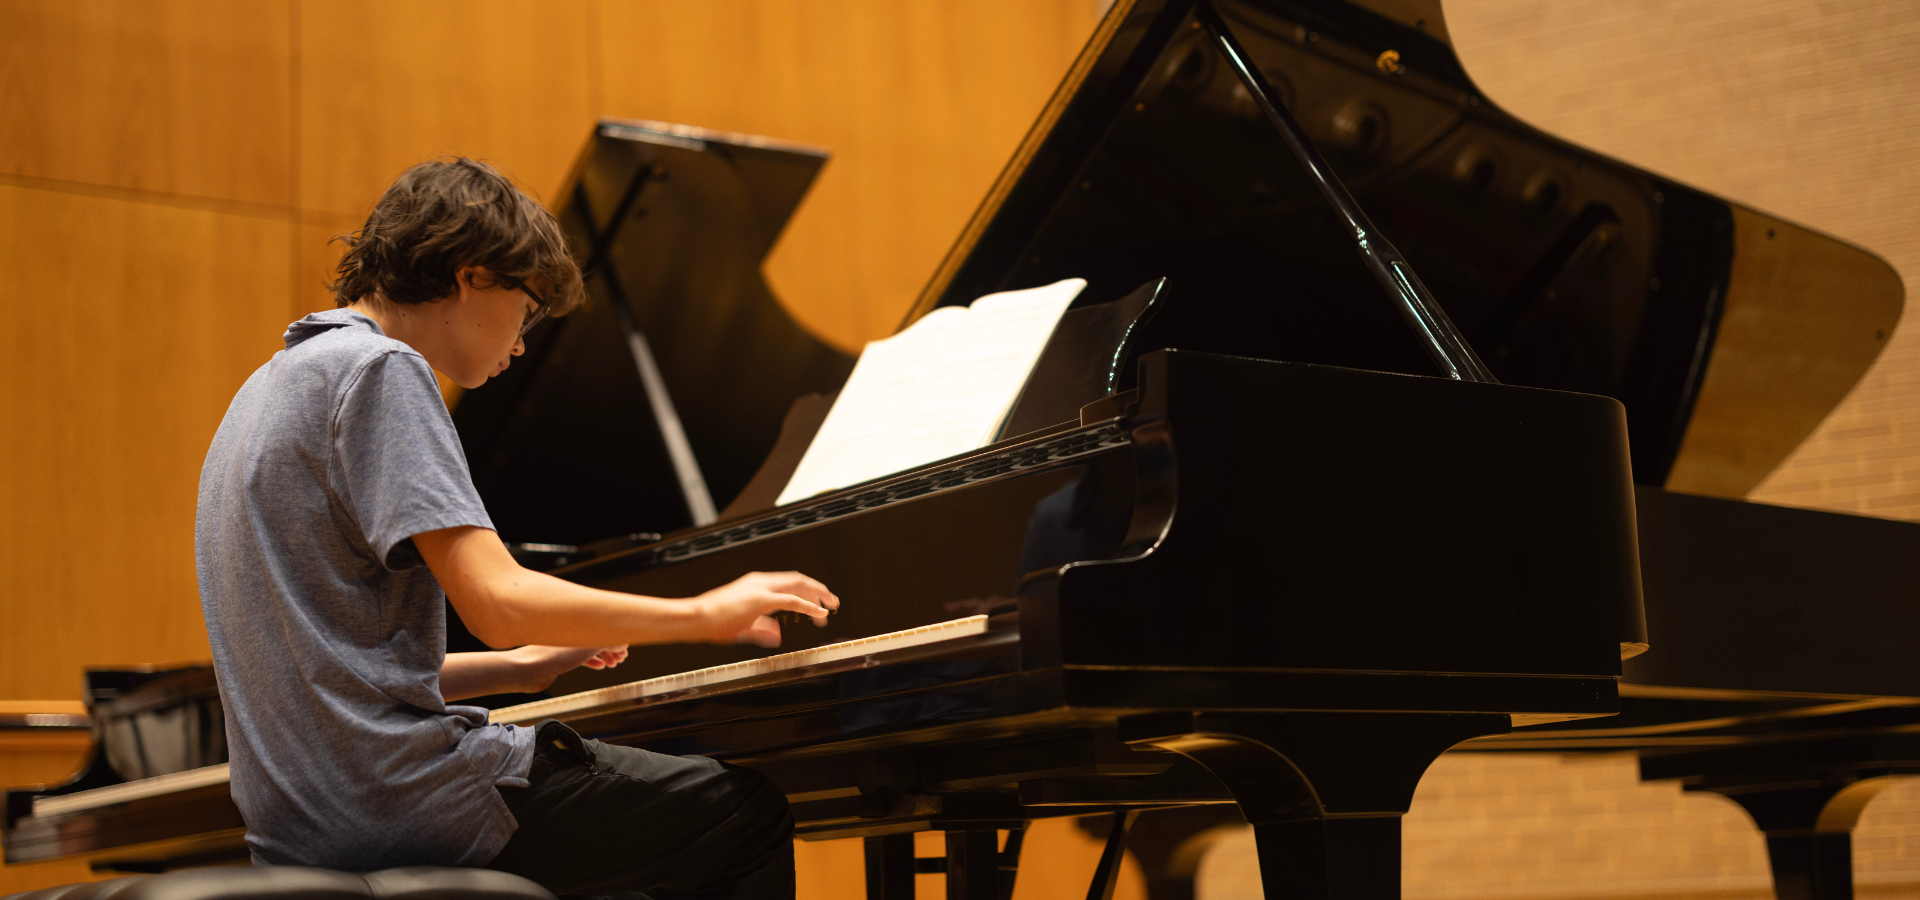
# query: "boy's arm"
505,605
521,670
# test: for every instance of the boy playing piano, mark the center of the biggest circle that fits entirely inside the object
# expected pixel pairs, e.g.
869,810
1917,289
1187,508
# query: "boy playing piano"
335,506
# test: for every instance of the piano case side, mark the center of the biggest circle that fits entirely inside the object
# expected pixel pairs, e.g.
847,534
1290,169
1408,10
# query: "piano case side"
1399,524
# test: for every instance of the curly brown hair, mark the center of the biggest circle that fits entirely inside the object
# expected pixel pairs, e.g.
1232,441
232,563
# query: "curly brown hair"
447,213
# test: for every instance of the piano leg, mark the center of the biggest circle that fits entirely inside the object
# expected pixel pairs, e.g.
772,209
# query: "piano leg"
973,864
1107,873
1323,791
1010,861
1809,833
1805,795
890,867
1169,844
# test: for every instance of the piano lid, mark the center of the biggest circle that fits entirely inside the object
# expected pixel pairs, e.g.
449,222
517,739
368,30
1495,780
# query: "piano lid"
1727,333
651,407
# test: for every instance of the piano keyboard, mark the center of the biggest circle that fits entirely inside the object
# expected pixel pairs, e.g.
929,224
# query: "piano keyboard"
558,706
879,643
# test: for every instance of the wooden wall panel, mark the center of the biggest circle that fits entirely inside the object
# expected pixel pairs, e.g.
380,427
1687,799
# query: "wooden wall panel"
175,96
386,85
315,257
131,326
1810,111
920,103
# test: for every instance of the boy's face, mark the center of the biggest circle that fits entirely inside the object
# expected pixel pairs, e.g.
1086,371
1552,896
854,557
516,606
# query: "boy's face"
484,320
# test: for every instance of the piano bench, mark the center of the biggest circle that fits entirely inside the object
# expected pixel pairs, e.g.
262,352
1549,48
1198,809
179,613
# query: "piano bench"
301,883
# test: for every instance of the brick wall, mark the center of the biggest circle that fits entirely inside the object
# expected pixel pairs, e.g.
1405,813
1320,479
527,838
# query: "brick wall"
1522,826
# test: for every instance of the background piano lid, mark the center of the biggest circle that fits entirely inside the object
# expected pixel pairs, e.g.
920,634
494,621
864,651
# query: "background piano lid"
1745,596
1728,334
571,444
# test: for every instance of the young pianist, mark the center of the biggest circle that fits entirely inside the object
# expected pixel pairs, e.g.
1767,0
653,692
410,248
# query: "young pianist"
336,507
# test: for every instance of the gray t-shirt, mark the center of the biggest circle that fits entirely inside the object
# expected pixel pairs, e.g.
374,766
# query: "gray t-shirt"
328,633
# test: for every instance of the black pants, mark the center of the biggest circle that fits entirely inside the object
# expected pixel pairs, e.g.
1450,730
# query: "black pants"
601,819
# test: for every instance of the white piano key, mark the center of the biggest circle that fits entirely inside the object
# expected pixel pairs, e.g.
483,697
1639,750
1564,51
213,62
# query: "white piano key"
913,637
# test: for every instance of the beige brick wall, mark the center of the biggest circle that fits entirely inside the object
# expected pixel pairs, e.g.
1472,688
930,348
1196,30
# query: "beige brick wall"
1524,826
1810,111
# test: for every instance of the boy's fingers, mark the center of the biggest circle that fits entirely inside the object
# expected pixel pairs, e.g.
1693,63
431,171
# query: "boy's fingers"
764,632
800,605
798,583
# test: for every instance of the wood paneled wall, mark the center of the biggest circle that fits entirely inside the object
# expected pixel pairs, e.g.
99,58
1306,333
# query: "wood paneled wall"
921,105
171,172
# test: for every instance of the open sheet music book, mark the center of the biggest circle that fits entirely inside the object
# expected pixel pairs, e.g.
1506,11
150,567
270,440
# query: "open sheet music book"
940,387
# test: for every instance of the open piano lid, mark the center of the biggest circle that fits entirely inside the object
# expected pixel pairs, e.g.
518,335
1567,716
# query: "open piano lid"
1727,333
651,407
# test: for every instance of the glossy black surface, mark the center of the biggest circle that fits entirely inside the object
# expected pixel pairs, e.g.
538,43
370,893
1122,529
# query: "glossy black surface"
1781,672
1533,573
1083,360
1360,520
1443,342
1160,611
145,722
1564,269
1748,596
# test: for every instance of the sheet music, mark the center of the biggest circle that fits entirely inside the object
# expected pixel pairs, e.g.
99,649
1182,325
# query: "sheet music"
939,388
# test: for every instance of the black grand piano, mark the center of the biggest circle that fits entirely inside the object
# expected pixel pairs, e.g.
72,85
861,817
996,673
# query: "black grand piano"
1276,521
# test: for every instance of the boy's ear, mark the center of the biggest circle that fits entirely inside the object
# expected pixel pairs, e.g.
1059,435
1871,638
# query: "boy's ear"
466,279
472,278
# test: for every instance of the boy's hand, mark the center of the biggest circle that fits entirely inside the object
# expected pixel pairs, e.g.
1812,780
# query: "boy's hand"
564,658
737,612
544,664
520,670
607,657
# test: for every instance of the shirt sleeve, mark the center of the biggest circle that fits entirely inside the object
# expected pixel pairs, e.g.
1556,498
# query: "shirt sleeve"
402,468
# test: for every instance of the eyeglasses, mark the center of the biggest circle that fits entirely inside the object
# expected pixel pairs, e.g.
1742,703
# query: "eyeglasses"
533,318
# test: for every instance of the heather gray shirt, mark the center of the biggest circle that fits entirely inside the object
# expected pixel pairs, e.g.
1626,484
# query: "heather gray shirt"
328,632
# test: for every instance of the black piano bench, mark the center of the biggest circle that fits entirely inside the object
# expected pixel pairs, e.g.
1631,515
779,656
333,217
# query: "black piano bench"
300,883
